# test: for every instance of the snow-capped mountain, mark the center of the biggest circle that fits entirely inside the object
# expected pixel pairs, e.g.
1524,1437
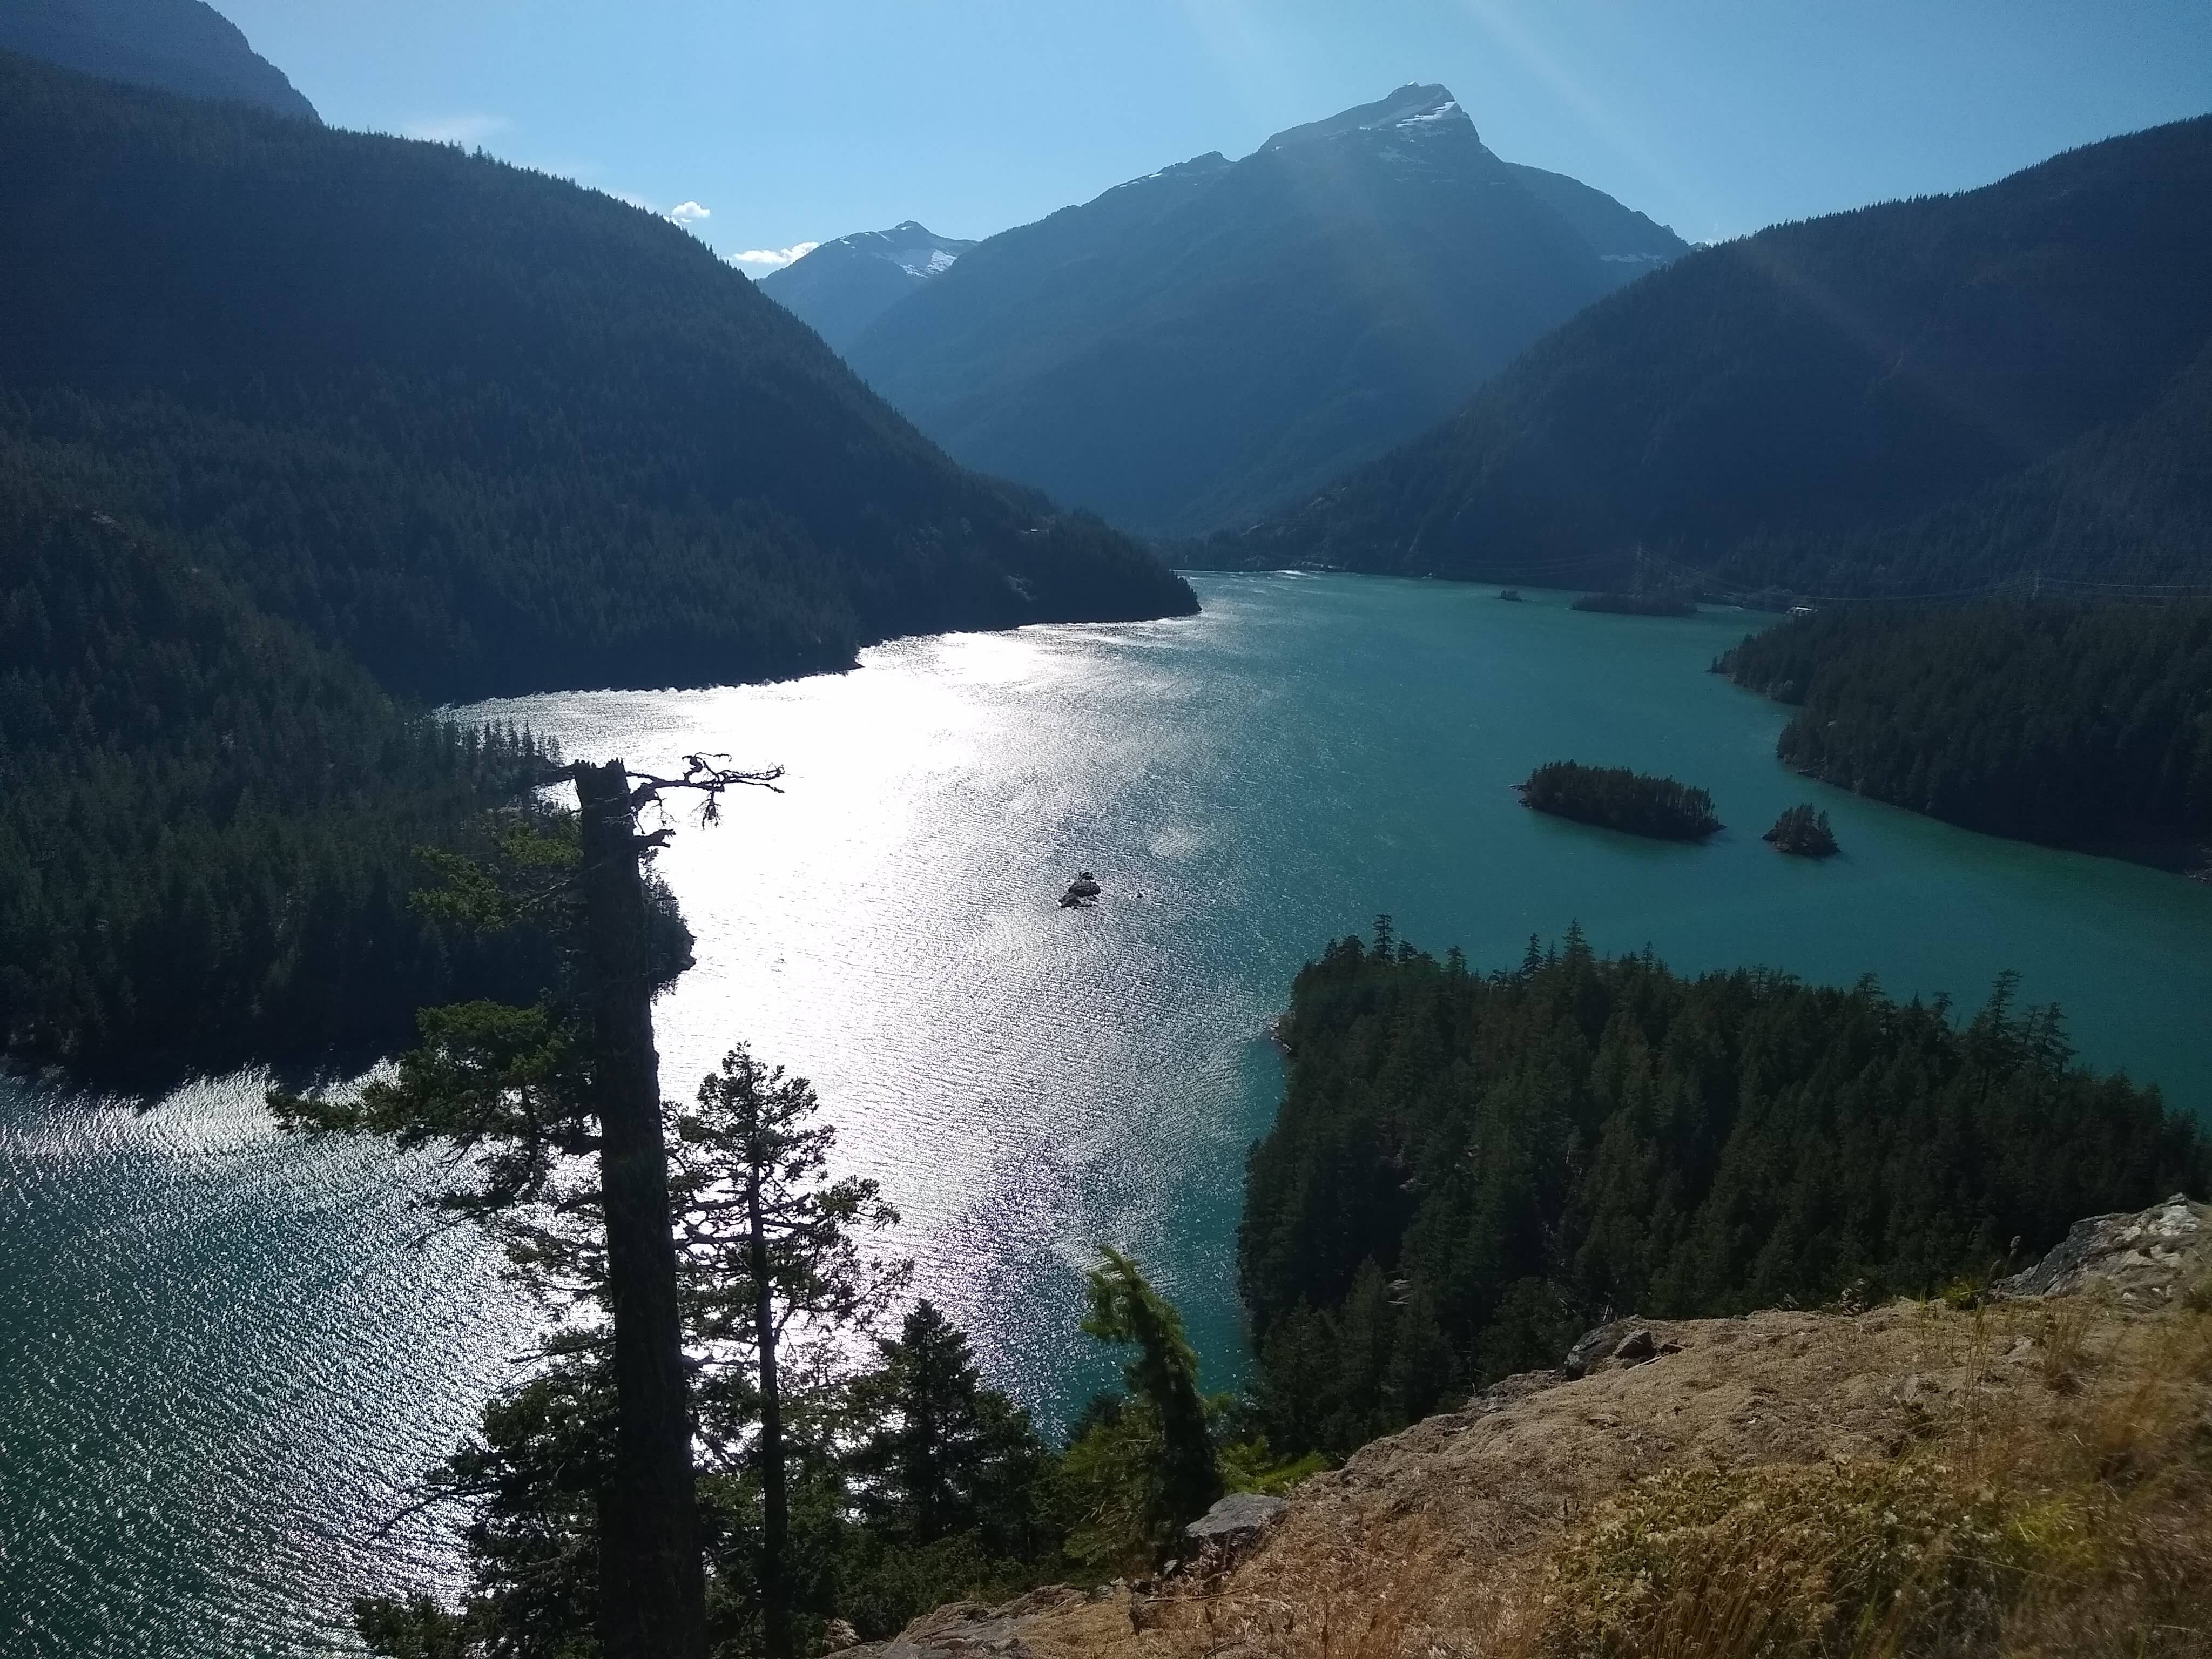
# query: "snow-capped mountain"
1195,346
842,287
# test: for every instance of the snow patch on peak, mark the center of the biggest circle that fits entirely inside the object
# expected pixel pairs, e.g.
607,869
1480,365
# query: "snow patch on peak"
1416,108
924,261
1213,161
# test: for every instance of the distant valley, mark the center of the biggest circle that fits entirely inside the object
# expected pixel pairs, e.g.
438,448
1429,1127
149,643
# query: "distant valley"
1194,347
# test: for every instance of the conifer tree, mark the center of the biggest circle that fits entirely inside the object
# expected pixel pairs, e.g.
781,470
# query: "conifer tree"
530,1087
947,1455
1163,1375
777,1238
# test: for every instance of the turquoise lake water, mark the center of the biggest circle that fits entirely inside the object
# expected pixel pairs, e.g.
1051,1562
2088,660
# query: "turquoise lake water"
223,1357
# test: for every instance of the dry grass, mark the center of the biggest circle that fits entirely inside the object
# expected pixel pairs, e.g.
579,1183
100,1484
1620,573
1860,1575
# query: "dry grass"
1363,1603
2062,1335
1858,1559
2029,1479
2088,1533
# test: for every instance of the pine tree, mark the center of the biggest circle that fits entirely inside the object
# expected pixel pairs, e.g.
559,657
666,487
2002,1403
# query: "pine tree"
531,1087
948,1455
773,1242
1163,1375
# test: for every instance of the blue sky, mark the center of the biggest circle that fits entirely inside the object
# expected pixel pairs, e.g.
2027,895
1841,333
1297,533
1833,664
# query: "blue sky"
803,119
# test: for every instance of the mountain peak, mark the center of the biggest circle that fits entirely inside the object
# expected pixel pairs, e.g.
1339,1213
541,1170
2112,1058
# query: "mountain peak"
184,46
842,286
1414,107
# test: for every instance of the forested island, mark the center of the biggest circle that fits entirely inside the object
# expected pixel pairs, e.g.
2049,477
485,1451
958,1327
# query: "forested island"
2074,724
1802,830
1636,604
1616,798
1469,1169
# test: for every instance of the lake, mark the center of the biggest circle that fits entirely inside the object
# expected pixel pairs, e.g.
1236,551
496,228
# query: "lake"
235,1353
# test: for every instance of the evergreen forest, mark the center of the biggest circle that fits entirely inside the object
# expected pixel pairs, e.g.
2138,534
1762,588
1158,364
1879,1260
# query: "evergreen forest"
2053,720
1915,398
1616,798
1471,1169
1803,831
304,429
1662,604
853,1470
208,822
487,431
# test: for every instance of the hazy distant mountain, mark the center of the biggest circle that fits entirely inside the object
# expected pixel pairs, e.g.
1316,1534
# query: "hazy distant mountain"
1209,341
1914,397
178,46
842,287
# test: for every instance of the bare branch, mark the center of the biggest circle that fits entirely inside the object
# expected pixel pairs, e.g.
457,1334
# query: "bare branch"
709,776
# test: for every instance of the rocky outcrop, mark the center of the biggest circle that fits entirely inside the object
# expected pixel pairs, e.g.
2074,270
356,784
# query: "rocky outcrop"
1439,1539
2147,1258
1055,1622
1237,1521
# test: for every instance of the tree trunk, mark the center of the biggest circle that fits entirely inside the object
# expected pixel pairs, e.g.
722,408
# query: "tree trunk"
775,1514
652,1587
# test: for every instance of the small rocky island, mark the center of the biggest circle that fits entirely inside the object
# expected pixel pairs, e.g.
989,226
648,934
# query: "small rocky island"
1801,831
1614,798
1082,893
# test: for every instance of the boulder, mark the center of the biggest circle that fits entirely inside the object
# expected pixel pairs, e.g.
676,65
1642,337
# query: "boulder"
1635,1347
1237,1520
2147,1256
1595,1344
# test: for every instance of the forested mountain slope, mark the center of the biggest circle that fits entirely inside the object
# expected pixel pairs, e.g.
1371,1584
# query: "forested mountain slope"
487,430
1206,343
208,821
2082,725
839,287
1917,396
180,45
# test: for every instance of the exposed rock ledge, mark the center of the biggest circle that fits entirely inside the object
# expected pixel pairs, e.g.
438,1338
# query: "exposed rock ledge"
1435,1539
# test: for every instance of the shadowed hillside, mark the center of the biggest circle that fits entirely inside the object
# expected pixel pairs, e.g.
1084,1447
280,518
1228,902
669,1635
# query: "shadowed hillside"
489,431
178,46
1911,397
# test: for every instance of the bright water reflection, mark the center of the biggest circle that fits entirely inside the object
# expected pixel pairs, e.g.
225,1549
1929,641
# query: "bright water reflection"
223,1358
1028,1082
234,1358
